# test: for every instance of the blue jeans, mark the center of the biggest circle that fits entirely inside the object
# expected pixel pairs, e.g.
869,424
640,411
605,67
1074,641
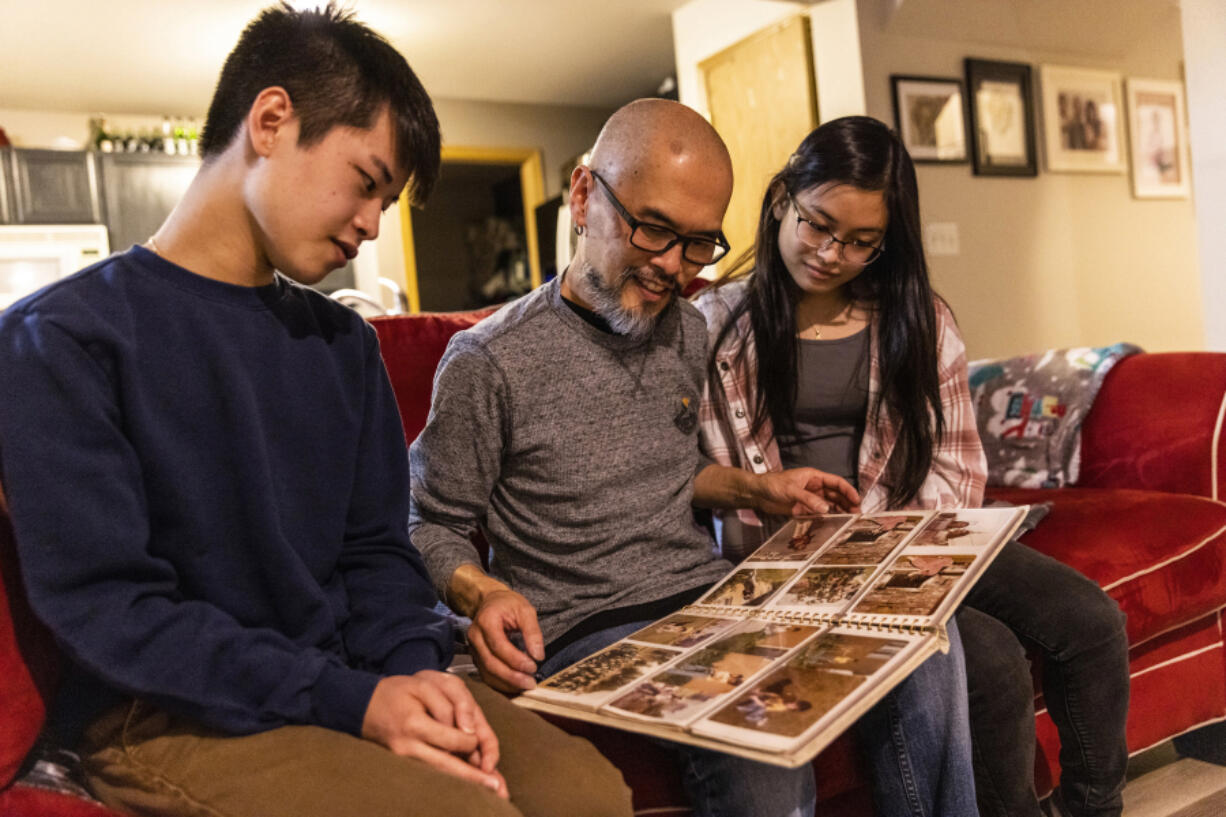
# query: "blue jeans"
917,738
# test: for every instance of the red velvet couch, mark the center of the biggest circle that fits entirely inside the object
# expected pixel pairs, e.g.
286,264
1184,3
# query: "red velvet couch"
1144,520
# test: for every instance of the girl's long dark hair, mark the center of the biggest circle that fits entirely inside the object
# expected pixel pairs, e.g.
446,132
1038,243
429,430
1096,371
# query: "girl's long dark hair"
861,152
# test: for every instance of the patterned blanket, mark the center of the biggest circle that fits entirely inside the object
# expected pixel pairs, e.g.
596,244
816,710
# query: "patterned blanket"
1029,411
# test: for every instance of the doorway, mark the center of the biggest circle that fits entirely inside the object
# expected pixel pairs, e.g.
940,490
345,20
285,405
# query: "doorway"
475,243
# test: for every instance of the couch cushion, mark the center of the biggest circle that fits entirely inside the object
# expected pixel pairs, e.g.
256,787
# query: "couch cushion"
1161,556
27,661
27,801
1157,425
412,346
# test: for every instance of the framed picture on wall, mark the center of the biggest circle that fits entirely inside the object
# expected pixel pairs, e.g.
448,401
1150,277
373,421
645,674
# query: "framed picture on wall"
1002,118
1158,134
928,112
1083,120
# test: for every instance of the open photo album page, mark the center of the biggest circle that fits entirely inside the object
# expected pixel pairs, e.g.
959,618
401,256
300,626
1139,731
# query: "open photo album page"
798,640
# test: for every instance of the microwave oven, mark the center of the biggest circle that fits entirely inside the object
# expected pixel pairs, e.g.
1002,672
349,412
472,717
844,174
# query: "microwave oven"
33,255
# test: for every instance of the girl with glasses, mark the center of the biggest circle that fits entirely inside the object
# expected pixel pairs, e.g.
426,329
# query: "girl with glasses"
830,350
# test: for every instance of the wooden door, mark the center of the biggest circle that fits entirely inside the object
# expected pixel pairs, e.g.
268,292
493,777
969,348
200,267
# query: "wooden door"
762,98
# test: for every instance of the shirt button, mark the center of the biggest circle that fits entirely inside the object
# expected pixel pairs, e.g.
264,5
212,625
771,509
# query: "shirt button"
723,365
740,413
757,459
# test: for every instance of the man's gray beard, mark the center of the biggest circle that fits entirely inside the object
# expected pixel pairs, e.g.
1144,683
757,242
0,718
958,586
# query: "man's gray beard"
606,301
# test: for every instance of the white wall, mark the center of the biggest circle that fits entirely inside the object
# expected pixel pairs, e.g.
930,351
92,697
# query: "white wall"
1204,44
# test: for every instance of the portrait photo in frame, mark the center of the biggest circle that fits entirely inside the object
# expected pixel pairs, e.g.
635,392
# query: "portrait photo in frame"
1158,133
1083,120
929,115
1002,118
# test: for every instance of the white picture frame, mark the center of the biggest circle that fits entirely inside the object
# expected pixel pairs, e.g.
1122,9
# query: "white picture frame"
1083,120
1158,133
929,113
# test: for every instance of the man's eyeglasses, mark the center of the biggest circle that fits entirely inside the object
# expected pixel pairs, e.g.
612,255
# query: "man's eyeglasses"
656,239
819,237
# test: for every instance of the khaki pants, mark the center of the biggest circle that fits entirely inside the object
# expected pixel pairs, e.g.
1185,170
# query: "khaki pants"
140,760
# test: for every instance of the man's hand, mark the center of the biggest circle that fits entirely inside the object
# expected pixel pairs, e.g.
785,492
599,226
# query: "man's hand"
503,665
431,716
498,611
803,491
795,492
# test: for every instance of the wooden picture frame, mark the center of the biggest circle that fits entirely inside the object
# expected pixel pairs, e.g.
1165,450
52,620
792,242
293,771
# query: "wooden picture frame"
1158,134
1083,120
1002,118
930,115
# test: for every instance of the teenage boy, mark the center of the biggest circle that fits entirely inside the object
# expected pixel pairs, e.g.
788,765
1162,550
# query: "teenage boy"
208,482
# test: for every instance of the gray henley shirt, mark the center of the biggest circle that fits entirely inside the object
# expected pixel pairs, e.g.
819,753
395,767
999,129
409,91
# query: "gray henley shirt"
574,450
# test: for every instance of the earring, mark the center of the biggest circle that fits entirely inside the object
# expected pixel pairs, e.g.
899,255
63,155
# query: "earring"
578,229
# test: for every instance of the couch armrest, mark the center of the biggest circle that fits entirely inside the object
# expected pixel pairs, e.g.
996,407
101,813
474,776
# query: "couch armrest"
1156,425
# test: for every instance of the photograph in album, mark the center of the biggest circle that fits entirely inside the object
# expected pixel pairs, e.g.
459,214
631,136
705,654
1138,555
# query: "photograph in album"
807,537
790,700
681,630
590,682
869,539
748,587
914,585
686,687
825,588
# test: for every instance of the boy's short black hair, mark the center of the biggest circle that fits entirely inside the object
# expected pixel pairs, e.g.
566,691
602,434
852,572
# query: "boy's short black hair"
337,72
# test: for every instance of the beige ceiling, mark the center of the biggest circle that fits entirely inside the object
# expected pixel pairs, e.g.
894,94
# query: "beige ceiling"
1093,28
162,56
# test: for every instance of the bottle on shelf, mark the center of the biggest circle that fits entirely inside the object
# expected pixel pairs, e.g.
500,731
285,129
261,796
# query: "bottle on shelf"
180,137
100,137
168,139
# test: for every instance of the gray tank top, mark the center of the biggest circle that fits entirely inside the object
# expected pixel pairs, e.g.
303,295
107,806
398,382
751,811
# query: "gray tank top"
831,404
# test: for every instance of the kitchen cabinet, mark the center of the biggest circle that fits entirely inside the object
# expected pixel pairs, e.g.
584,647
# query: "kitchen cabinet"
140,190
52,187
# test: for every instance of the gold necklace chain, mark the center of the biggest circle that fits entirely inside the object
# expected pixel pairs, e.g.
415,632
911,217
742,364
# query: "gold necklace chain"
816,328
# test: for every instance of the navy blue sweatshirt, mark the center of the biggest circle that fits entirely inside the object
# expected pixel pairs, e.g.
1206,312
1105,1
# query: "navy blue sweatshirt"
209,489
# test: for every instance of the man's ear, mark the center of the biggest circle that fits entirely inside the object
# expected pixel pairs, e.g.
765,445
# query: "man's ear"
581,182
267,119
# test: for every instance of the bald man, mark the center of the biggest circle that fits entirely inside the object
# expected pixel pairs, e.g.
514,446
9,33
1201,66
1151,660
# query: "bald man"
564,427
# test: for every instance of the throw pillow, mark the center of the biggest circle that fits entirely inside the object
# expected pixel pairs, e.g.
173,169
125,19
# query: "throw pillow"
1029,411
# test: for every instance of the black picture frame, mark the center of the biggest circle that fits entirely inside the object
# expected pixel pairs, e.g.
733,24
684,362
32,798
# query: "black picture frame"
1001,97
933,133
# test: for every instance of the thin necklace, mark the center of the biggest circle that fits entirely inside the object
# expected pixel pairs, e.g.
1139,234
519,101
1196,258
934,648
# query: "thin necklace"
816,328
153,245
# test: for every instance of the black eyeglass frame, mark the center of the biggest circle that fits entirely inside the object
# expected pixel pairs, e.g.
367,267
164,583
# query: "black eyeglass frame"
877,249
719,243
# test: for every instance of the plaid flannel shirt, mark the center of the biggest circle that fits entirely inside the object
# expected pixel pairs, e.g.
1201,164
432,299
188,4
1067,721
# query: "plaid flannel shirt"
959,469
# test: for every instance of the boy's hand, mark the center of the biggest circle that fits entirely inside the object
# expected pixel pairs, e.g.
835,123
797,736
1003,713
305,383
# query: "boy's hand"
431,716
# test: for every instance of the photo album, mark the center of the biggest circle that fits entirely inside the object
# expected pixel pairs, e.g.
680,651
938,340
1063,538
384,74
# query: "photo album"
797,642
